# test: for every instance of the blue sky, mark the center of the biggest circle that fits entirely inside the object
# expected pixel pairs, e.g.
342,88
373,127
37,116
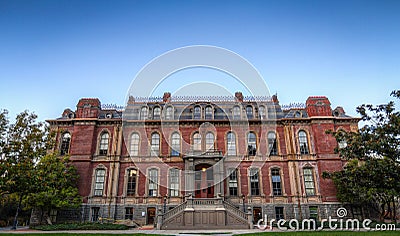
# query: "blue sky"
54,52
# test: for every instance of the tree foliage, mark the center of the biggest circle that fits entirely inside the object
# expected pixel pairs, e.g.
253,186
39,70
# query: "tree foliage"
371,176
28,170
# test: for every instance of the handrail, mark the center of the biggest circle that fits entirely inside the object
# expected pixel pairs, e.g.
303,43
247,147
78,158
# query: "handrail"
175,210
234,210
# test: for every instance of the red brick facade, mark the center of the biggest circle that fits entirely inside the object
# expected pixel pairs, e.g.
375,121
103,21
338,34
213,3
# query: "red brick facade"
297,190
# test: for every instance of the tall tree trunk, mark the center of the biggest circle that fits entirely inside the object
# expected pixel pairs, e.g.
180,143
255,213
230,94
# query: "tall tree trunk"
14,227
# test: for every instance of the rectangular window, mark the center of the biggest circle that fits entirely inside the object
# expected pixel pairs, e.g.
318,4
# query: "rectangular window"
95,213
174,183
313,212
99,182
233,182
254,182
129,213
276,182
309,181
279,213
153,182
131,188
53,215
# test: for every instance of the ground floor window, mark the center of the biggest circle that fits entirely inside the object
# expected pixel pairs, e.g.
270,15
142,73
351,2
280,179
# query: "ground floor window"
129,213
279,213
95,213
313,212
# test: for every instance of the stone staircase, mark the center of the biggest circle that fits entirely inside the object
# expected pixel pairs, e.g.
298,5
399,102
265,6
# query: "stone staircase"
205,213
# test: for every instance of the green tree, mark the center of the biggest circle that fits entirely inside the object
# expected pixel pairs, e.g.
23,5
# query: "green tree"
55,179
24,155
372,173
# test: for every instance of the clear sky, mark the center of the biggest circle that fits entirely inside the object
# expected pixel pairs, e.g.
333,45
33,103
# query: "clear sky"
54,52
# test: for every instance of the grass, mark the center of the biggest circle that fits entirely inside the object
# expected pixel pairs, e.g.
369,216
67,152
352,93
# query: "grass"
81,226
71,234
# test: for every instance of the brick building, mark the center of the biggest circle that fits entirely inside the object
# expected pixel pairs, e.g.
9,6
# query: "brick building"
179,156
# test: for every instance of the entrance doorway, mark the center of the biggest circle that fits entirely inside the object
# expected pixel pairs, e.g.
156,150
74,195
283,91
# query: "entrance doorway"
257,214
151,215
204,181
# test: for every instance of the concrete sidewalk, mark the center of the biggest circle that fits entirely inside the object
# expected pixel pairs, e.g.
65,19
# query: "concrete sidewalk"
139,231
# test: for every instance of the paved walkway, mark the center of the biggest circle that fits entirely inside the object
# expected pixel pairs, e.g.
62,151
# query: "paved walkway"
136,231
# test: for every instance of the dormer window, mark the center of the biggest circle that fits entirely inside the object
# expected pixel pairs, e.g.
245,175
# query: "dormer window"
236,112
261,112
144,113
156,113
249,112
197,113
209,113
169,113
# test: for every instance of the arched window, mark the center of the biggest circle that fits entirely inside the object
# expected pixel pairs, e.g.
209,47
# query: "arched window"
155,144
272,146
249,112
65,142
131,183
231,143
153,182
209,141
175,144
251,144
196,142
261,112
156,113
303,142
197,113
144,113
236,112
103,149
276,182
169,113
173,182
135,141
309,181
209,113
99,182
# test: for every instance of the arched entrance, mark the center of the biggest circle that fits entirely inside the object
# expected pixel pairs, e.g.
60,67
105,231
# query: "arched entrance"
204,181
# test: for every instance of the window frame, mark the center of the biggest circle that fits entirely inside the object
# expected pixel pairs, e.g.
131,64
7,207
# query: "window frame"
209,145
209,113
254,180
253,150
104,143
233,182
231,144
169,113
175,144
276,186
197,113
132,151
129,213
97,191
249,112
272,144
65,144
131,182
144,113
156,116
174,179
197,146
304,146
311,180
236,112
152,180
155,147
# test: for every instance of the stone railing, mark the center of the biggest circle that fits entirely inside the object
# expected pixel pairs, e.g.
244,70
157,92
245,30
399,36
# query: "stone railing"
176,210
229,207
